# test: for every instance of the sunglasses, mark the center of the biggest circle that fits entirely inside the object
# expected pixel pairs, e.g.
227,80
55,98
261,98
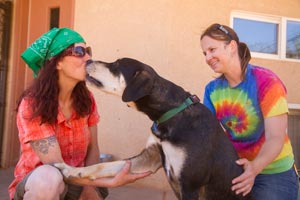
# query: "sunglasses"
78,51
224,30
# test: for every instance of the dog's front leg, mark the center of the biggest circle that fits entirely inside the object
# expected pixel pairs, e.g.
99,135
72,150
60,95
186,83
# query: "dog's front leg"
148,160
101,170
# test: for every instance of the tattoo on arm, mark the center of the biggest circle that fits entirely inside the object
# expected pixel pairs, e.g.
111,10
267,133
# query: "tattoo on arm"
43,145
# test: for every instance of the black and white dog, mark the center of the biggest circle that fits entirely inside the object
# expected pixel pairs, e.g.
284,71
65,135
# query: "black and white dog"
187,140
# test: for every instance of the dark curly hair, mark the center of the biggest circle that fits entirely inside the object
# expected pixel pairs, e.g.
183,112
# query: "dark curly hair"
44,90
226,34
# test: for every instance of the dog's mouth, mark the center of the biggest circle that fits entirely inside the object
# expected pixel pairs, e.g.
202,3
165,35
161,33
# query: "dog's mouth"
93,80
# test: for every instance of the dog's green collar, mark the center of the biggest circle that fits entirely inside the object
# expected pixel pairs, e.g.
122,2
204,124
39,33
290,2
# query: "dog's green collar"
171,113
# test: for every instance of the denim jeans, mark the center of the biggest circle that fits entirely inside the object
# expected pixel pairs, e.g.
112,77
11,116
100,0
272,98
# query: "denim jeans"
281,186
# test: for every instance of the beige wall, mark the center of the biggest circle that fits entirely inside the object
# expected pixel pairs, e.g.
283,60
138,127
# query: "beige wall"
164,34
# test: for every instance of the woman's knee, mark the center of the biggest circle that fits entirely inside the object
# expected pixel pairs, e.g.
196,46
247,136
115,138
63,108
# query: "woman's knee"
45,180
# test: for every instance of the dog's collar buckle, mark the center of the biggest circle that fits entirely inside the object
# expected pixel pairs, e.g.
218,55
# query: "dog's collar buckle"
194,99
154,128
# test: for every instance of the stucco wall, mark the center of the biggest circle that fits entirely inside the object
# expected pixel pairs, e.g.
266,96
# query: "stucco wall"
164,34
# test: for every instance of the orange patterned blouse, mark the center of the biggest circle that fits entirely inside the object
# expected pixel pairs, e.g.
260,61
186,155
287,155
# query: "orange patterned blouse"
72,135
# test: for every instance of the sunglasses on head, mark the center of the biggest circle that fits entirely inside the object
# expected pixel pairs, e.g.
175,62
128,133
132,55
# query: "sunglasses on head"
224,30
78,51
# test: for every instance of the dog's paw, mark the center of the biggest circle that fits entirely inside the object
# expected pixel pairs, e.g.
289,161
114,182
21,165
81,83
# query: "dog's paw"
65,169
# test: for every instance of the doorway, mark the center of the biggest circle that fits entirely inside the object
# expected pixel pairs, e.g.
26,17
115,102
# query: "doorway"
31,19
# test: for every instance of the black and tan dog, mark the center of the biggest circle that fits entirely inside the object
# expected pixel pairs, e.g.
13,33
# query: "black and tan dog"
187,139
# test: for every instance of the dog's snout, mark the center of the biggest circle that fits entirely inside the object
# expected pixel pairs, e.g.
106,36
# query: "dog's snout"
89,66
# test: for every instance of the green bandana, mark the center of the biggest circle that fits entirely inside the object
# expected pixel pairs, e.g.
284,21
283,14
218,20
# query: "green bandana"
49,45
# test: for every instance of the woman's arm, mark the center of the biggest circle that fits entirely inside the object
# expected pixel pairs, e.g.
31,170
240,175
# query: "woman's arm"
93,148
47,149
275,132
122,178
92,158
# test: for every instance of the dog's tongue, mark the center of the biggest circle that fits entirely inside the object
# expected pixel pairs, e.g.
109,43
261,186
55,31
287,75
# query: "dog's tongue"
93,81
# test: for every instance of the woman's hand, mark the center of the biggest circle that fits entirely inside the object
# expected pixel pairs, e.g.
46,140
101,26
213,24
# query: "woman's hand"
121,178
244,183
125,177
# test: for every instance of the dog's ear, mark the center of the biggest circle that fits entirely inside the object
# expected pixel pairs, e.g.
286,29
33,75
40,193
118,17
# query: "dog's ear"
139,86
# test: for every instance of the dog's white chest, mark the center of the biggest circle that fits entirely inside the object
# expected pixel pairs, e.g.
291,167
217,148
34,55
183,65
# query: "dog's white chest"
174,158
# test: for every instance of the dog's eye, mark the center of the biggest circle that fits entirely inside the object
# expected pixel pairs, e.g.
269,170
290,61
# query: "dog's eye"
136,73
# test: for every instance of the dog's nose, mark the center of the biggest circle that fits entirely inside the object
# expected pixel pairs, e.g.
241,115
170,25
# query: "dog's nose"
89,62
89,67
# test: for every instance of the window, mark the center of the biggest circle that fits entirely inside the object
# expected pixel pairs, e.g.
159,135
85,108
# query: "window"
268,36
54,18
293,39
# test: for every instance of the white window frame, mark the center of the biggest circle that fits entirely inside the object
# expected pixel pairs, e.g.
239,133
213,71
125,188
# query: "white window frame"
282,25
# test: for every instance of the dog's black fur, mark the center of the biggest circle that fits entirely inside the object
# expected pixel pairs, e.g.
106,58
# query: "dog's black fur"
209,161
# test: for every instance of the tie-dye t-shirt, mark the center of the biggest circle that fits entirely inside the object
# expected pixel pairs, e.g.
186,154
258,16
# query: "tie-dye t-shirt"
242,110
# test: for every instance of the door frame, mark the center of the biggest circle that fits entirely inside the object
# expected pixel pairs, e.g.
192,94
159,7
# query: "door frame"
6,15
19,75
15,80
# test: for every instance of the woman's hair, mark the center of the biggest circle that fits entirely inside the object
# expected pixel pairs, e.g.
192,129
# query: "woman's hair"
44,90
226,34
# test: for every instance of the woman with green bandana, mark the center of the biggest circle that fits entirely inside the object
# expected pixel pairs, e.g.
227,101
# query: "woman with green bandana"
57,122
